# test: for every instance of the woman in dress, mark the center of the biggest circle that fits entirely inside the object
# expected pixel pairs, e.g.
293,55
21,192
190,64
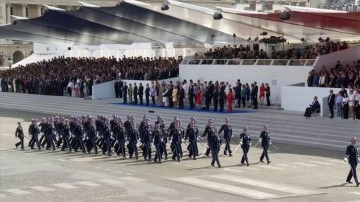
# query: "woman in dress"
230,100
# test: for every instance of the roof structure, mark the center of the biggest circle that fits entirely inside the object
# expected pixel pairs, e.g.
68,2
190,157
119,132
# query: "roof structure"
135,22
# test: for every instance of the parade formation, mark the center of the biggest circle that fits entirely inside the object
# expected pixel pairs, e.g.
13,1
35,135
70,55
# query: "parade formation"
89,134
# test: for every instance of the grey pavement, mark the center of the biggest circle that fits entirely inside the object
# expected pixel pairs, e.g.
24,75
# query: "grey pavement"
296,173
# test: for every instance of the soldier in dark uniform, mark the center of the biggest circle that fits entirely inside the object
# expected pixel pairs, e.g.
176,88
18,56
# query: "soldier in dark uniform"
42,128
133,137
120,138
49,130
215,144
146,140
91,135
159,137
176,141
227,135
19,133
107,136
34,131
66,136
207,132
59,128
192,133
78,132
265,143
164,135
352,157
245,142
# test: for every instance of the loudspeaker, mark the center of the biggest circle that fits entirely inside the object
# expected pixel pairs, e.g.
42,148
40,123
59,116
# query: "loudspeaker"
69,48
285,15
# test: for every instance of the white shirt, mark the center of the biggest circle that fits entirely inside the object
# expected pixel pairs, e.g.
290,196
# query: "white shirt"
357,96
345,100
351,100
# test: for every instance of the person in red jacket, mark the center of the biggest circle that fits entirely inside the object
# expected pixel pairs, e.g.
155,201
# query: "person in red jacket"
198,98
230,100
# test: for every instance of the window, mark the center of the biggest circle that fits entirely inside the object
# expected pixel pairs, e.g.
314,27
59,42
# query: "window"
11,10
27,12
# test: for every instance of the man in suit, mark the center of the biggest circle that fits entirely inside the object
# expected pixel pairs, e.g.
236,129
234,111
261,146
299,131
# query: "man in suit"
125,91
181,96
141,93
331,102
135,93
254,95
313,107
267,89
352,157
116,86
120,87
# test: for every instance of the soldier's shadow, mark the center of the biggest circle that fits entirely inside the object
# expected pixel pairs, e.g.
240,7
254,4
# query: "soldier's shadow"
334,186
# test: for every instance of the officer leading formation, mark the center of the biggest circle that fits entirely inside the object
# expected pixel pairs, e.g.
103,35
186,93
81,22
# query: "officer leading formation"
117,136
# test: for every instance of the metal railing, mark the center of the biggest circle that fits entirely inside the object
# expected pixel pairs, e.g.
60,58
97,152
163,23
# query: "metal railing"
264,62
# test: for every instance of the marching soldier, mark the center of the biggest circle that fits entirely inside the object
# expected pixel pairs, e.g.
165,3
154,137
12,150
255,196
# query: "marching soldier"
176,141
133,137
120,137
227,135
42,128
48,131
59,128
66,136
265,143
158,139
171,131
78,132
164,136
352,157
245,142
19,133
107,136
192,134
146,140
91,135
34,131
207,132
215,144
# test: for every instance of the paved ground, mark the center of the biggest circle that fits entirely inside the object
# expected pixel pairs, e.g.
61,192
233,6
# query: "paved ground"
297,173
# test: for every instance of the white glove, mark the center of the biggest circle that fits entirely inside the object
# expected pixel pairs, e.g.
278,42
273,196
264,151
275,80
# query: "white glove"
127,142
358,159
232,135
270,142
198,139
345,159
250,144
260,140
241,142
182,140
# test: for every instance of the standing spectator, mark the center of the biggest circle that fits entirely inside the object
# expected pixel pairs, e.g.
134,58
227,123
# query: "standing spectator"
339,108
130,92
153,94
262,93
116,87
316,80
351,105
345,106
120,87
166,96
125,92
174,96
216,98
70,88
267,94
147,94
141,93
135,94
181,96
230,100
191,95
243,95
331,102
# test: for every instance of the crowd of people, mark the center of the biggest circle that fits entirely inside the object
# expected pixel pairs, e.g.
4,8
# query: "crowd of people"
56,76
115,136
198,94
347,76
245,52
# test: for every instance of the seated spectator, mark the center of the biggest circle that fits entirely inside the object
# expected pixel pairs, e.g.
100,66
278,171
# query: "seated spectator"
314,107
